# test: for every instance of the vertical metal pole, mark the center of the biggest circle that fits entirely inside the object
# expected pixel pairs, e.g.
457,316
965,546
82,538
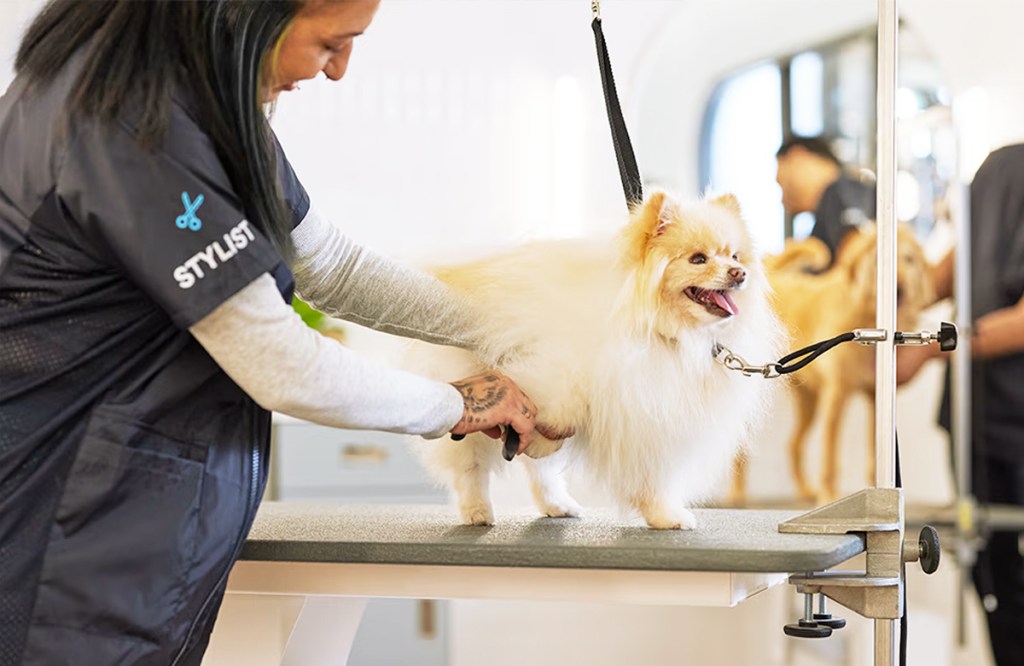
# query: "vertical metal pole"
961,396
885,314
962,356
885,360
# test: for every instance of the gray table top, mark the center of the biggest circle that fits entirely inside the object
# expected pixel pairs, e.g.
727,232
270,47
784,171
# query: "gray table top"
725,540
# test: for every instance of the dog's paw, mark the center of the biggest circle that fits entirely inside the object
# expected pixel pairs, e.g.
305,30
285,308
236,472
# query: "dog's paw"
477,514
805,493
678,519
737,497
541,447
563,507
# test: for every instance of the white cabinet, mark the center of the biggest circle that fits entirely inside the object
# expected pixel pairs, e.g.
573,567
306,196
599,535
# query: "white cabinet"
314,462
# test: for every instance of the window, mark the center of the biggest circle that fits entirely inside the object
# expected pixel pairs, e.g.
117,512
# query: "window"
830,90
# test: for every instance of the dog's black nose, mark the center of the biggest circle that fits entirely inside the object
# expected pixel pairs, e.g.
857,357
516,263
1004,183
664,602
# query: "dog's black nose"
737,275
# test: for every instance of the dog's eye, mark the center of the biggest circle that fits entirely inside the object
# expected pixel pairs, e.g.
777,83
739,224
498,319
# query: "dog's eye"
736,256
698,259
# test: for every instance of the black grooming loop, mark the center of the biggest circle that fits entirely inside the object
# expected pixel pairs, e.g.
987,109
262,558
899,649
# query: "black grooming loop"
629,172
772,370
946,337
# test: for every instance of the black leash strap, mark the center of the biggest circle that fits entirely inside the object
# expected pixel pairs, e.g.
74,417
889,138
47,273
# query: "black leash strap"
629,172
809,353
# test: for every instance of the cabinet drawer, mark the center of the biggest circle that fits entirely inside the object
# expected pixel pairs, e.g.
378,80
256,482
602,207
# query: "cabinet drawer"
316,461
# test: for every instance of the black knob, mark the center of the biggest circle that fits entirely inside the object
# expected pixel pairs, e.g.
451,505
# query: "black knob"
947,336
827,620
929,549
806,629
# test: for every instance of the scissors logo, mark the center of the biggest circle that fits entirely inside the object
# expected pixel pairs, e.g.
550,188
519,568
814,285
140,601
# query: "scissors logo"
189,219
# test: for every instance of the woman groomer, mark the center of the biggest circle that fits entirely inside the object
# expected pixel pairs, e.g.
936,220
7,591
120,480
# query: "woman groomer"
151,235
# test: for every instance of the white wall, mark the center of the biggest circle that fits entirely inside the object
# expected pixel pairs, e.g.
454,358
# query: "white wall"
464,124
14,16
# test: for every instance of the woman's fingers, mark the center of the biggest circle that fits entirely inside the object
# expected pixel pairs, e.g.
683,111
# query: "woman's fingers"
554,433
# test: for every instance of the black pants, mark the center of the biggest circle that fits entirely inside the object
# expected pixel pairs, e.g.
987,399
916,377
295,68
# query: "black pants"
999,571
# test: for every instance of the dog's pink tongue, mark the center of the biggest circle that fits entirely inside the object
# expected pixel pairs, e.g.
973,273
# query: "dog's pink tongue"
724,301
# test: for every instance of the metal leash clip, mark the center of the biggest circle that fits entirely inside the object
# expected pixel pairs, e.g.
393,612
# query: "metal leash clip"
736,362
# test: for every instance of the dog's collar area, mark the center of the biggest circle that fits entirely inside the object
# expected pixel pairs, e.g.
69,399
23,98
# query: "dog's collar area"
731,361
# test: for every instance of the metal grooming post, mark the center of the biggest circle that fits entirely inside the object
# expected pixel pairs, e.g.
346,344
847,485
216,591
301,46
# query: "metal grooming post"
966,530
966,516
877,512
885,314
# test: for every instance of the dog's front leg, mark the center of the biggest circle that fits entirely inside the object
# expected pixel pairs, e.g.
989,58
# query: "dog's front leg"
806,402
472,481
542,447
834,399
548,484
738,490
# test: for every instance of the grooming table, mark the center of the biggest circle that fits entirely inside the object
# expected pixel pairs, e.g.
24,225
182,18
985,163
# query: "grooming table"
297,595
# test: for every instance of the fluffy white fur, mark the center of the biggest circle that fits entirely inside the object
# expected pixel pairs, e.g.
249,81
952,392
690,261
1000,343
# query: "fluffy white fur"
604,338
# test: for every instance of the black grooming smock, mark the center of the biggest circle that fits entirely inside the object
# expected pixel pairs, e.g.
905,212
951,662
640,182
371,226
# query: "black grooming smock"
997,282
131,466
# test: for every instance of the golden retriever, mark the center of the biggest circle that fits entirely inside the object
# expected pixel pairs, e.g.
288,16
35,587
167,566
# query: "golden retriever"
815,307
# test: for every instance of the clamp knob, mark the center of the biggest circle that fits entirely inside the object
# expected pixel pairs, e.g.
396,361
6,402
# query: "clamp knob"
807,629
948,336
814,625
929,549
824,618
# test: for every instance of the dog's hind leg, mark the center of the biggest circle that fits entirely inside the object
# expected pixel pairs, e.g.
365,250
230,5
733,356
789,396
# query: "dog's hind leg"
661,513
834,399
548,484
738,491
805,401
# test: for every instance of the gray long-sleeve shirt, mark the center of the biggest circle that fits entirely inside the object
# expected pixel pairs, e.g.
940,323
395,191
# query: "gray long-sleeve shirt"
263,345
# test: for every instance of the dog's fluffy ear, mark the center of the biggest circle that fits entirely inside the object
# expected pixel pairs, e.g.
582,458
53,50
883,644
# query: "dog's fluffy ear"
728,202
649,220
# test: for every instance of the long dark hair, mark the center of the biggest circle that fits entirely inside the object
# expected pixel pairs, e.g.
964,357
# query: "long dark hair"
143,50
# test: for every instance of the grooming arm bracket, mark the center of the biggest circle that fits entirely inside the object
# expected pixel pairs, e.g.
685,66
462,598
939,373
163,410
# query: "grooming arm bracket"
876,592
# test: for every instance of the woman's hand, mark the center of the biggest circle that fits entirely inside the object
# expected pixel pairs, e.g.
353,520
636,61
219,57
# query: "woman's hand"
492,400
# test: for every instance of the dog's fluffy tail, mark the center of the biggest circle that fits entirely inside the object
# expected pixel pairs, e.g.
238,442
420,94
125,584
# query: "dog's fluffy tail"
809,255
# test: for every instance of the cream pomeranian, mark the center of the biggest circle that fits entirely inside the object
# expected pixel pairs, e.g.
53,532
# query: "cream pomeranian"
615,341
